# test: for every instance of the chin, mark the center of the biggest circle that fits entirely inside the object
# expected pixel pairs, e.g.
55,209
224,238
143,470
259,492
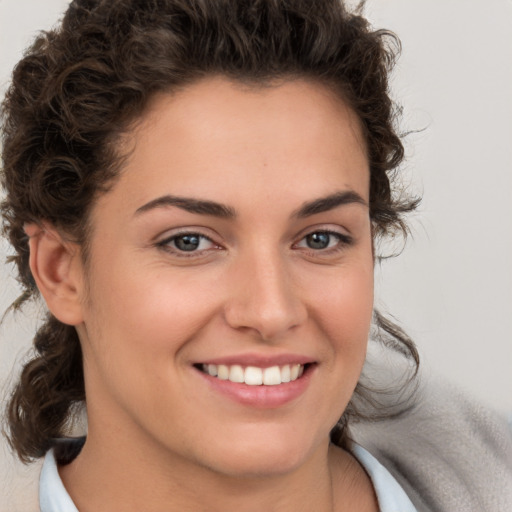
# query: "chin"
263,454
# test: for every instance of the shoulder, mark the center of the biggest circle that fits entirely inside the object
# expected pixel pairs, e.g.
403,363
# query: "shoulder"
448,452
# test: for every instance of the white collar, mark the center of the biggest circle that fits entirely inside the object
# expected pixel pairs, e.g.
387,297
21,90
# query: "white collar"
53,496
390,495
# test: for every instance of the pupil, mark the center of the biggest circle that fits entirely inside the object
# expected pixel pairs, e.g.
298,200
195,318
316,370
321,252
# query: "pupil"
318,240
187,242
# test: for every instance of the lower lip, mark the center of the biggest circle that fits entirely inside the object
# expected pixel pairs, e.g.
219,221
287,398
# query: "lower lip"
261,397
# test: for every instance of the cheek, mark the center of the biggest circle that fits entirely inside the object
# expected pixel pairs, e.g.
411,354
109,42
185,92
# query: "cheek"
147,313
344,309
347,296
138,327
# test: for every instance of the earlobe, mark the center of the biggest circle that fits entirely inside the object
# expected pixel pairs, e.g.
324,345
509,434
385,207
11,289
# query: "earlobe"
56,267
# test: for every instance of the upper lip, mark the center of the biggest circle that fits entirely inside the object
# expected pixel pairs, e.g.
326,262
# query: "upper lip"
259,360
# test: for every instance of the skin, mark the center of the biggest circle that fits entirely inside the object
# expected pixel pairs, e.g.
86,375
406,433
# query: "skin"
147,312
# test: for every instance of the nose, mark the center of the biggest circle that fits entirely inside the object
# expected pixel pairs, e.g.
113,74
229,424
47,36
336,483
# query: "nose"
264,297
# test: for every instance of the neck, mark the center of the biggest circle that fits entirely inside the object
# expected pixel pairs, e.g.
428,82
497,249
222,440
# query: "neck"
116,479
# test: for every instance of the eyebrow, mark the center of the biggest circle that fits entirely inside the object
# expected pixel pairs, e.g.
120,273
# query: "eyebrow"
205,207
329,202
200,206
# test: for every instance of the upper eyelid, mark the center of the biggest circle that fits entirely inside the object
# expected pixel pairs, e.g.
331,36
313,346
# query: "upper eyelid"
324,228
166,240
343,239
327,231
170,234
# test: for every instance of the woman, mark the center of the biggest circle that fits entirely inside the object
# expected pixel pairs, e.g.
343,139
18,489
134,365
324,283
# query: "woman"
195,189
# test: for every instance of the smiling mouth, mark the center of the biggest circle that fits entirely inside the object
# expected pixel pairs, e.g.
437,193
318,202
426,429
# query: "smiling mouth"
253,375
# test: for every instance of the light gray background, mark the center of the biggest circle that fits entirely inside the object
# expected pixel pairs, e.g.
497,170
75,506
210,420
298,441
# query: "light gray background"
452,287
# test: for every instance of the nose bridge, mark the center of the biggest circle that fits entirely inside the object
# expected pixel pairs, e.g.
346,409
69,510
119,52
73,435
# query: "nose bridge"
266,298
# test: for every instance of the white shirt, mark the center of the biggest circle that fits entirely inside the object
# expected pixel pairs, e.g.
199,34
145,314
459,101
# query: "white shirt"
53,497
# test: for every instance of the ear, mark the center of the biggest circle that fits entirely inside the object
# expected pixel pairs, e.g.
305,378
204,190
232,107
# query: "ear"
56,266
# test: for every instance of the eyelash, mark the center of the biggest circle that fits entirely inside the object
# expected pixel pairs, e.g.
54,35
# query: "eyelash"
166,244
343,241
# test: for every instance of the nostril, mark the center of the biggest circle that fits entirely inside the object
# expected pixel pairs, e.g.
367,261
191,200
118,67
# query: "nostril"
268,324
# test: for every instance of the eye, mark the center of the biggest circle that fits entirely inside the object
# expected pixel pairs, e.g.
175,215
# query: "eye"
319,240
187,243
324,240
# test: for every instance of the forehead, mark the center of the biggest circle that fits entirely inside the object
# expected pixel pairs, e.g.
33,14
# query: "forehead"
297,136
306,107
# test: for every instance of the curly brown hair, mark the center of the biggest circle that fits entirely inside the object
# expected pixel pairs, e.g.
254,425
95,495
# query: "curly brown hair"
80,86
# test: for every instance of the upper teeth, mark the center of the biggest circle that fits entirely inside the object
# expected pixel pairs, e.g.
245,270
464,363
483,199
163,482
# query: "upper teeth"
253,375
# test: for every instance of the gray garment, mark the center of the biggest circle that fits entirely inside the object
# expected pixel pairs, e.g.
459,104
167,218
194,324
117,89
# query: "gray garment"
448,453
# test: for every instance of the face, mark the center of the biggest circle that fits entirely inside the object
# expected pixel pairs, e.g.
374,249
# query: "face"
230,281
